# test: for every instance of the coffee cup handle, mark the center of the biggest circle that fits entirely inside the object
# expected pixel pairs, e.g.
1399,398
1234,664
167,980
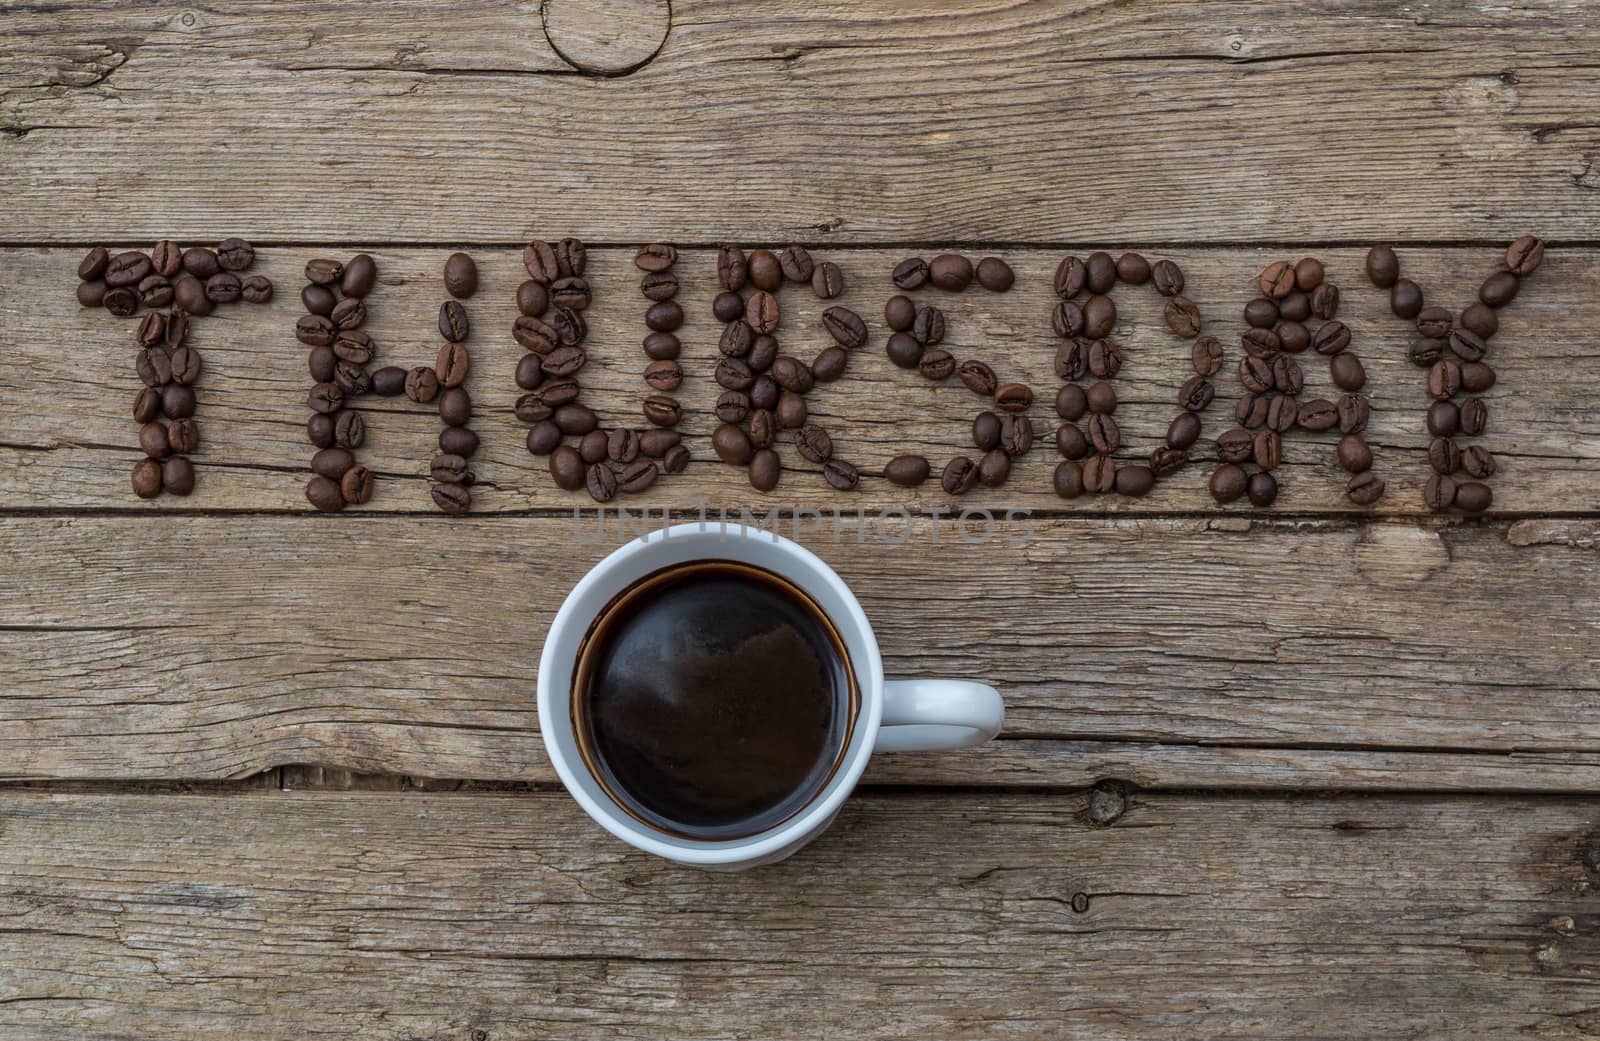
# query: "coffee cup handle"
930,715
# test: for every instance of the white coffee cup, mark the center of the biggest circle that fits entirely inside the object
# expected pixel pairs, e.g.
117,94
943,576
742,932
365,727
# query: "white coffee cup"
893,715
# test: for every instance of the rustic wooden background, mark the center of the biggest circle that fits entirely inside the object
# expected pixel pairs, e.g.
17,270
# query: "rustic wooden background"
1308,772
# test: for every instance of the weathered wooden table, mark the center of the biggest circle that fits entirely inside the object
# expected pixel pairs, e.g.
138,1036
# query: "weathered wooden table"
1313,771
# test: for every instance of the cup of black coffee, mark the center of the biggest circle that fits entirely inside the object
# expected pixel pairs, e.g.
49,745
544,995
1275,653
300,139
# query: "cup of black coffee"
712,692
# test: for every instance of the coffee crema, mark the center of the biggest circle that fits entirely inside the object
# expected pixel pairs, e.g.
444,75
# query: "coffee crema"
713,700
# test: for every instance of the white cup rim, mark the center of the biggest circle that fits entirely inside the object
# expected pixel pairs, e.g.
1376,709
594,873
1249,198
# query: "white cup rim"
853,628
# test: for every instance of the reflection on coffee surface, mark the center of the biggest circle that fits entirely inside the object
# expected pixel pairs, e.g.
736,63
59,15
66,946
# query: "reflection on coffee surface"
713,699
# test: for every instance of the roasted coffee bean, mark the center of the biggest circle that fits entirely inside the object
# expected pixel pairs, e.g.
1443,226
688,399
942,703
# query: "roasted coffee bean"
453,499
622,446
1168,278
177,329
349,429
1439,492
996,275
1183,431
573,293
638,476
1354,414
1235,446
907,471
1474,416
532,298
353,380
1296,307
843,477
154,366
1067,319
1325,305
349,314
575,420
1473,497
1476,377
224,287
927,326
422,384
1072,359
358,278
1135,481
1183,317
321,429
1347,371
152,329
1287,375
765,470
1102,398
235,254
1405,299
458,441
1206,356
1383,267
1255,374
1260,343
531,408
324,494
1013,397
154,291
1070,278
1227,483
1104,358
911,273
572,258
454,362
460,276
153,440
903,350
1293,337
356,485
355,347
762,428
543,437
951,272
177,476
189,296
127,269
1468,346
453,324
1481,320
827,281
1099,475
147,405
960,474
766,273
317,299
199,262
676,460
1262,489
1251,410
937,364
737,339
791,411
813,443
332,462
659,286
1133,269
1266,449
94,293
1443,455
530,371
1524,256
185,365
727,306
322,271
1068,480
1498,290
1196,393
662,410
561,363
732,406
993,468
1364,489
1104,434
449,469
847,328
1277,280
1099,317
978,377
535,334
986,431
1423,353
1318,414
1261,313
661,375
732,445
899,313
1071,401
592,446
1444,379
1330,338
732,269
570,326
1433,322
1283,412
1476,460
663,317
1165,461
761,312
1016,435
94,263
1070,442
662,346
1308,273
1101,272
566,468
796,264
314,330
734,374
256,289
791,374
1353,454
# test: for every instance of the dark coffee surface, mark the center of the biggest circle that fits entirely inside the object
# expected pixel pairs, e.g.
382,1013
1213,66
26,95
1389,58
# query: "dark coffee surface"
716,700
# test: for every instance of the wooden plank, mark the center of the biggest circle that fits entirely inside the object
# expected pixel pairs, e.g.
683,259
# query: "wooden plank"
1171,121
67,439
1000,916
220,646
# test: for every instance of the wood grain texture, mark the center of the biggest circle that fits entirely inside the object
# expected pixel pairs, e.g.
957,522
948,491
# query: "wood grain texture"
470,916
67,439
221,646
1177,121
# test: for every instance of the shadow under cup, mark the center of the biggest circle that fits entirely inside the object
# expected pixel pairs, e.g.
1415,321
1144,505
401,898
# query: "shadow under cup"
713,700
